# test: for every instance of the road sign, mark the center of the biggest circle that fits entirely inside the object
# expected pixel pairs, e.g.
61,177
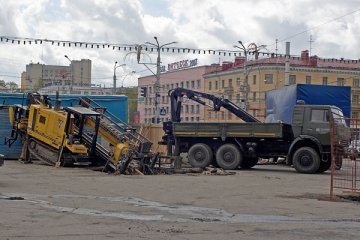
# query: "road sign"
162,111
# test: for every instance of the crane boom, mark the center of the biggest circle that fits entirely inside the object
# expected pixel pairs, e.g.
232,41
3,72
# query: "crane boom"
177,94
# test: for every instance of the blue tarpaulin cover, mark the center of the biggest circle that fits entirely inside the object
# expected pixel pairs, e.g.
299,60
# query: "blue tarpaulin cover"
280,102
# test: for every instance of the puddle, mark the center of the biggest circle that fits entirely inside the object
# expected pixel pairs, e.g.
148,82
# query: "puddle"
168,213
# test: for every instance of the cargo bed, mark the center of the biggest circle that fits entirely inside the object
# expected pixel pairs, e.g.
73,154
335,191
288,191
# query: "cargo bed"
224,130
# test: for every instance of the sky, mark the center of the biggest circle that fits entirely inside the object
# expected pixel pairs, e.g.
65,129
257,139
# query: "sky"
332,25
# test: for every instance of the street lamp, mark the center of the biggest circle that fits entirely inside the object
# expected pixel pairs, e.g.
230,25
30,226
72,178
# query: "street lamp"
72,72
157,82
245,84
122,81
252,48
114,78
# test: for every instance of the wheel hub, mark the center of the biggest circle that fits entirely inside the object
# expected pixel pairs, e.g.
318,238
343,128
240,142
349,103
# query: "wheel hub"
228,157
199,156
306,160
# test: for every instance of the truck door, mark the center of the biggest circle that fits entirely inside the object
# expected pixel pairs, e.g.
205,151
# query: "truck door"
317,123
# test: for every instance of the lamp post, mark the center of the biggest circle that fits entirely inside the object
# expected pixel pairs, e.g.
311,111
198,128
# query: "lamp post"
72,73
114,77
123,79
252,48
157,82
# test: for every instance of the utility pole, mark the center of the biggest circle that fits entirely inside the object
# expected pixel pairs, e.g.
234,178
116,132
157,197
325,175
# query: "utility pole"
245,83
252,48
114,77
72,73
157,82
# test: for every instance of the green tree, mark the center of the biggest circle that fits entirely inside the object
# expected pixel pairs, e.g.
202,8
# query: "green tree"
2,83
12,85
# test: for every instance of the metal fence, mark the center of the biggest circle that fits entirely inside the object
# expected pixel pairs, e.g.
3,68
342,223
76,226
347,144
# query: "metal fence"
345,163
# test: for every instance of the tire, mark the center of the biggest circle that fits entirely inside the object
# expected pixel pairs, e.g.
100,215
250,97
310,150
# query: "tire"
228,157
324,166
306,160
249,163
200,155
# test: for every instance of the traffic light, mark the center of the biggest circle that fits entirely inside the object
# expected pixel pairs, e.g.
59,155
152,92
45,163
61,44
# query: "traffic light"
143,91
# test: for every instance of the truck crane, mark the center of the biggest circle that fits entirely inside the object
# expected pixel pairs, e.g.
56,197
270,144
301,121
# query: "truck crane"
231,145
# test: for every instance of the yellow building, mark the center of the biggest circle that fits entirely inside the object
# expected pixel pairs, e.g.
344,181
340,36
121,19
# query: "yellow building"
245,82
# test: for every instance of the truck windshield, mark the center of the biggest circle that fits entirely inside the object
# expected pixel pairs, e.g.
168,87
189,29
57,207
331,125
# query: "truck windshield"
338,116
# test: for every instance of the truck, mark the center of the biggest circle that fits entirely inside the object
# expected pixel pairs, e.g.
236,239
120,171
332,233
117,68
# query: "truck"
306,143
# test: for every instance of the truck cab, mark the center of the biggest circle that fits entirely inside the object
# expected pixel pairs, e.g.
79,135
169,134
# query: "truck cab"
316,129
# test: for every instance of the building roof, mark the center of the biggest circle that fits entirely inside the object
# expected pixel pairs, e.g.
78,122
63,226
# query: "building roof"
303,61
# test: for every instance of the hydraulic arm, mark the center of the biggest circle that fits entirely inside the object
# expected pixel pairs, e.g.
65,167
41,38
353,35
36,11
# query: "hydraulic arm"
177,94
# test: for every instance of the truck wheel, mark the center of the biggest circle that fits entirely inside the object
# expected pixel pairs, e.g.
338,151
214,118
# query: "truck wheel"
306,160
249,162
324,166
200,155
228,157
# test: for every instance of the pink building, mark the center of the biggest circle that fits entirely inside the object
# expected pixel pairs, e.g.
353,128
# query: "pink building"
191,78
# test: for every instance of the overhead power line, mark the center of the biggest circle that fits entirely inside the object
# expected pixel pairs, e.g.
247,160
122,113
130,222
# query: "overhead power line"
315,27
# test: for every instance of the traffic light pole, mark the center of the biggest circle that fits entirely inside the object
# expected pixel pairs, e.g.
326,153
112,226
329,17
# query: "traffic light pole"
157,82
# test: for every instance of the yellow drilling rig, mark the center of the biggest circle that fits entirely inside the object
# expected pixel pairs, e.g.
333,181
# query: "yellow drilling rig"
86,134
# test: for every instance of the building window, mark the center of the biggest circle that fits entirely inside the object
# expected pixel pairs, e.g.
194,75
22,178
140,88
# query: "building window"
192,119
198,85
222,83
216,115
268,78
308,80
292,79
197,109
230,82
192,109
325,80
355,82
355,115
222,115
182,84
187,84
229,115
238,97
355,99
340,81
197,119
230,97
210,87
163,99
209,115
186,119
216,84
254,80
238,83
172,86
192,84
186,108
254,96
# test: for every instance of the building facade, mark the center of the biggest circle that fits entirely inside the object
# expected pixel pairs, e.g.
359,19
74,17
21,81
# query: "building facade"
191,78
78,74
245,82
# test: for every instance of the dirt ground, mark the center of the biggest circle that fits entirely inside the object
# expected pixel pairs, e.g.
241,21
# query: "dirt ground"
267,202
